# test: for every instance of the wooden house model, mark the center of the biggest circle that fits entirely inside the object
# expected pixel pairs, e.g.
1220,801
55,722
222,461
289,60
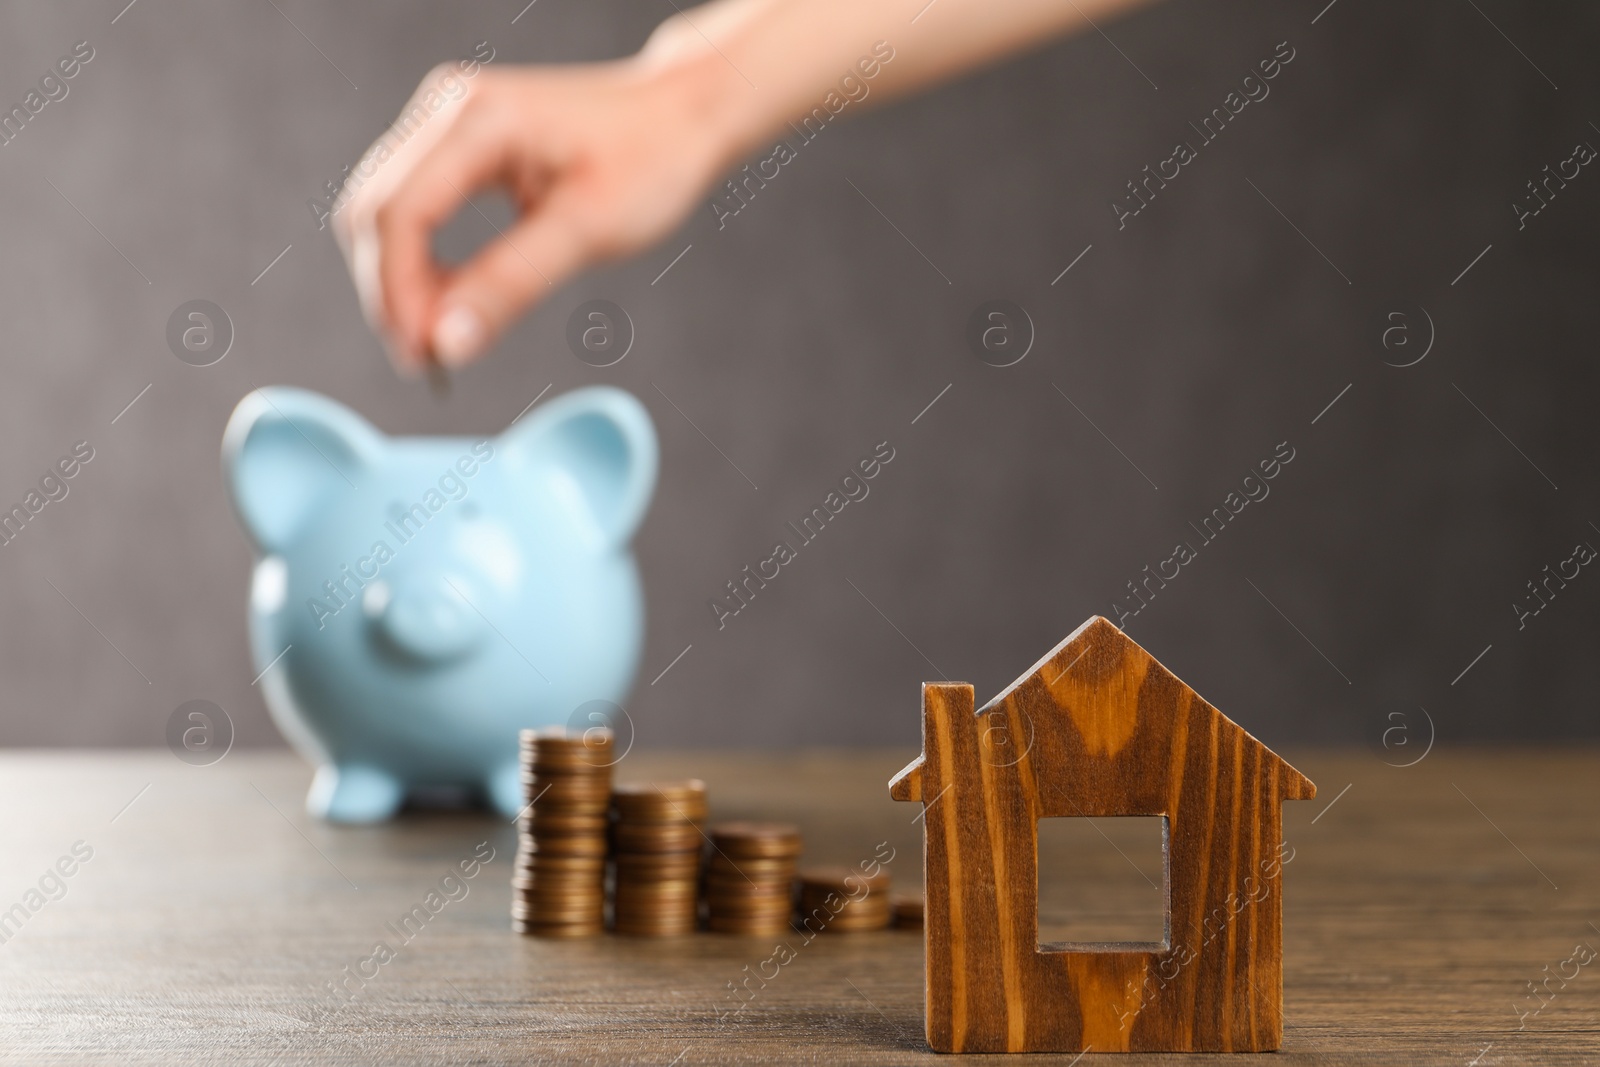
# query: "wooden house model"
1099,728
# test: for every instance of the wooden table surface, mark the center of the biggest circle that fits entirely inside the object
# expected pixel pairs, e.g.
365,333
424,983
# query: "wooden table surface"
212,915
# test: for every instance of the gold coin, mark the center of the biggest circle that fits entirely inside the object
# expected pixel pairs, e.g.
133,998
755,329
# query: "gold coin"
536,776
557,897
656,837
659,864
550,790
676,790
838,902
740,911
647,900
742,883
754,928
756,839
591,808
675,885
558,931
731,862
565,770
908,910
846,881
849,919
665,813
541,913
657,916
575,845
841,904
654,899
558,740
748,874
581,890
541,876
659,885
551,861
554,821
683,800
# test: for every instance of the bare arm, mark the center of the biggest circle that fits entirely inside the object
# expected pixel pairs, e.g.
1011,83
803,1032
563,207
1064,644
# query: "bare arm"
604,159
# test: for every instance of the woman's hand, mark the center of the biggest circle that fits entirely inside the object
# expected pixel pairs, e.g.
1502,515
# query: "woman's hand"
600,161
603,159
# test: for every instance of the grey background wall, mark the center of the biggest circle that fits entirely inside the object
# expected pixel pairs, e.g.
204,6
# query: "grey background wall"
1176,353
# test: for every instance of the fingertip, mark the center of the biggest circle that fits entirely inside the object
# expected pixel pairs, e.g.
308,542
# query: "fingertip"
459,334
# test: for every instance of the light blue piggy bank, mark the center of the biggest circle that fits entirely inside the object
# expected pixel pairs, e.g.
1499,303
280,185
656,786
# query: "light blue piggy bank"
418,600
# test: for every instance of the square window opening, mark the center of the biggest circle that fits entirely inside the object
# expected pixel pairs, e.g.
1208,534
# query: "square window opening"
1103,883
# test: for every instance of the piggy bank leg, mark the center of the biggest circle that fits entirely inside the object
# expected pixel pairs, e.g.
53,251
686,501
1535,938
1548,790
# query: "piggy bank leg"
354,792
505,790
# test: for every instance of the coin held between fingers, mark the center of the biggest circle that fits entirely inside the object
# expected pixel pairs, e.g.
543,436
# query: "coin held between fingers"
458,335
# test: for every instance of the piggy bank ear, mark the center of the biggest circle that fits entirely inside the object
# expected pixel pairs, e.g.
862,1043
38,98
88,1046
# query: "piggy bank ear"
285,453
596,448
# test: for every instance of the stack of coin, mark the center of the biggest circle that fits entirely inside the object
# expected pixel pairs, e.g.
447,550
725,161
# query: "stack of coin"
907,910
844,900
750,880
558,888
657,843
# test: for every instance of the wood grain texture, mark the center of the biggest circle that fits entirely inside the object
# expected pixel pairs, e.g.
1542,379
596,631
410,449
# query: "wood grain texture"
1099,728
212,912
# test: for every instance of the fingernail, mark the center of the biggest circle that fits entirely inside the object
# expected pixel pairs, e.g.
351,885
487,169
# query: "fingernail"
458,334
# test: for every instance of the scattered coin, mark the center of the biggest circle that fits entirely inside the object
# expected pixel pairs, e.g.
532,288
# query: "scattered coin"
907,910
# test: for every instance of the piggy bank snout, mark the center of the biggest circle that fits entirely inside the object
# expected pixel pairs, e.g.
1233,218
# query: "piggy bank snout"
429,618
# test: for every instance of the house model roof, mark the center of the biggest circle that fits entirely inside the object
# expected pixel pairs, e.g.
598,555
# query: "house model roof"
1090,700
